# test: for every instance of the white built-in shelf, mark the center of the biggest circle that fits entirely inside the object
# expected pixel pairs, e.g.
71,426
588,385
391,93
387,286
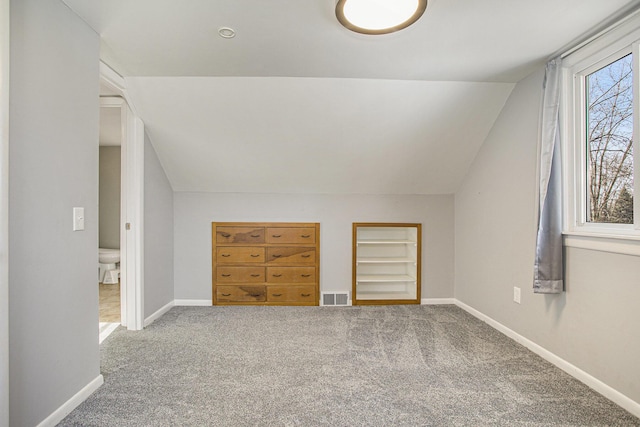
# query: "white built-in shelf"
384,260
385,242
373,296
384,278
386,263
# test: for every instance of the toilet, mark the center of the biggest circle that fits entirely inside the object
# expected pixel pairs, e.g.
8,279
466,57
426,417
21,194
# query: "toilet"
108,265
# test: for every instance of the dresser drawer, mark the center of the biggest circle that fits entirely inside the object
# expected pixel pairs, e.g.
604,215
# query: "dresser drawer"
291,235
291,255
240,274
291,293
239,234
239,254
240,293
291,274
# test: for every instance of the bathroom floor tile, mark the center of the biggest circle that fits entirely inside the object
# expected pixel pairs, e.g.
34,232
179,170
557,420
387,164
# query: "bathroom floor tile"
110,302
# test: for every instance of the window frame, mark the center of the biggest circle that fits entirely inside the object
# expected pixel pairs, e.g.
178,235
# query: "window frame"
604,50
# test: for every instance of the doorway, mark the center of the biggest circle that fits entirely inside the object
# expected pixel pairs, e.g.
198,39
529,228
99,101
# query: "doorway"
114,96
109,221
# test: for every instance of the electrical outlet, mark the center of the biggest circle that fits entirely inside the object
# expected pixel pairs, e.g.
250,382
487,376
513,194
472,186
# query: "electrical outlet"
516,294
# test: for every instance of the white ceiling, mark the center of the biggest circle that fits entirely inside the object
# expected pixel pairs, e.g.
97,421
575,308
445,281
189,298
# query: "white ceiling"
467,40
297,103
289,135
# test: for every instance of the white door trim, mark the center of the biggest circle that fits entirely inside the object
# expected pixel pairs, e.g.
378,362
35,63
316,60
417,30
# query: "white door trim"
132,231
131,202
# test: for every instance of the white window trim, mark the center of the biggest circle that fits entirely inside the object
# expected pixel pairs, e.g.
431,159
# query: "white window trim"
616,238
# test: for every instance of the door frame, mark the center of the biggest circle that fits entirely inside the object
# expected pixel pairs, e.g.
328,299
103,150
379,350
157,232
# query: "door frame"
131,201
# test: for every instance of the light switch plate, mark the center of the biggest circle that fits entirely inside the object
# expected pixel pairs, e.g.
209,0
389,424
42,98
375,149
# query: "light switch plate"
78,219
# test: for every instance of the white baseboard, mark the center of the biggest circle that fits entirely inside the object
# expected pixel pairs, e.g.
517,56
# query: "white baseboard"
158,314
71,404
437,301
597,385
104,334
192,302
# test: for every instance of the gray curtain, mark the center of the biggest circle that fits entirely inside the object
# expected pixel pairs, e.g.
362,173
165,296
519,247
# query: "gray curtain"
549,263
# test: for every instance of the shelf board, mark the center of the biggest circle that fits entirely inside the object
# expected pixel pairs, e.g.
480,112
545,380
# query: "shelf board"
385,296
377,278
385,260
385,242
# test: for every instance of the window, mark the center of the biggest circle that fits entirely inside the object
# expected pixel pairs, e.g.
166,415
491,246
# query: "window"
609,142
600,125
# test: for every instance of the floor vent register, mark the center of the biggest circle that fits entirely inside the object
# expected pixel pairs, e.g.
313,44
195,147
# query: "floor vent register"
335,298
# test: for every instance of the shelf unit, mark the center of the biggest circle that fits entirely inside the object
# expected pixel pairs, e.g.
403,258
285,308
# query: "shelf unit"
386,263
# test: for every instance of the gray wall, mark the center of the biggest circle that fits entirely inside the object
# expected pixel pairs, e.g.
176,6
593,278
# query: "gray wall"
194,213
109,202
594,324
158,233
4,211
53,153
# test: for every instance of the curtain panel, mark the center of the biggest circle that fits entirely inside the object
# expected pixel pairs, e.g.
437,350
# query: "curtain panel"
549,262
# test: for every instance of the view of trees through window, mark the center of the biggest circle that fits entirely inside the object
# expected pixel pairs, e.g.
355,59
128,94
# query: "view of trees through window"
609,94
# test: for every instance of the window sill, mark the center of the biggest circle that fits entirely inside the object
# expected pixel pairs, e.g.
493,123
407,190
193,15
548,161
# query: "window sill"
617,244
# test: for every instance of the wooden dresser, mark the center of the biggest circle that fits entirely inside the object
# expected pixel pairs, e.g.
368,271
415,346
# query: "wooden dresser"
265,263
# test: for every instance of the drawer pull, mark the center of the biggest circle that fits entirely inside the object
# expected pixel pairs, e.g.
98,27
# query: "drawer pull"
255,295
276,235
255,275
226,275
305,295
305,236
255,256
226,295
276,256
277,295
305,275
255,236
277,275
225,234
306,256
226,255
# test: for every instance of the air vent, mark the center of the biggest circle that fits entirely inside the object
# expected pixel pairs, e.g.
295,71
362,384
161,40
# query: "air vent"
328,299
335,298
342,299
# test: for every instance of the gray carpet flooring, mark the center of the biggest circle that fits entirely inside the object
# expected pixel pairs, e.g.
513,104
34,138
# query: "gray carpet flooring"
325,366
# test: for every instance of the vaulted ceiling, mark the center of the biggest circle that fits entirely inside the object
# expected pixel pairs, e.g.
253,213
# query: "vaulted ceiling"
296,103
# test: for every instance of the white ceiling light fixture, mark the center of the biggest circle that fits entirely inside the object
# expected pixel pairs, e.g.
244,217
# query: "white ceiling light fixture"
379,16
226,32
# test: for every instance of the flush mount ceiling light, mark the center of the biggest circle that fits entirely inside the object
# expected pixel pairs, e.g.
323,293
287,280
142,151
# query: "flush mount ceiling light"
226,32
379,16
